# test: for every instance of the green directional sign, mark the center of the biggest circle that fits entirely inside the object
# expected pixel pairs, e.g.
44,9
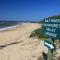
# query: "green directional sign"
52,28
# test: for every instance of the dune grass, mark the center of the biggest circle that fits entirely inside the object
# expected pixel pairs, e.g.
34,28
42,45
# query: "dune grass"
39,33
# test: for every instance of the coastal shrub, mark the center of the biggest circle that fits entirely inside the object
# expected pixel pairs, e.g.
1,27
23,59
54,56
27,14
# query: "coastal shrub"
39,33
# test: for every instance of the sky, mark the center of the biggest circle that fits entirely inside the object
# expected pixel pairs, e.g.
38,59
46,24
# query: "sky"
28,10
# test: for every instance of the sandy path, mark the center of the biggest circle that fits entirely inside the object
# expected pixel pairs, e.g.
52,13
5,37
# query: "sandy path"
26,48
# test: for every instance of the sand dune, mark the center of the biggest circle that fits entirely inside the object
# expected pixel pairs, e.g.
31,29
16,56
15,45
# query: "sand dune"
18,46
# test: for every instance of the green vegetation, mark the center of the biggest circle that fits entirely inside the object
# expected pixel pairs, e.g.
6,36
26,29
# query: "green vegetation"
52,17
55,17
39,33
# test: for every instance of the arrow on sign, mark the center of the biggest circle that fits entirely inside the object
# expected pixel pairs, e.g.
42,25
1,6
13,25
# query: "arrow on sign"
49,45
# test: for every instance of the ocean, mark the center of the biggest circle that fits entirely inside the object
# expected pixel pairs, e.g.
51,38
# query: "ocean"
4,25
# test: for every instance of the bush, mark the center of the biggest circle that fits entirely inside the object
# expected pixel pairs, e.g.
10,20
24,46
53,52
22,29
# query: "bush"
39,33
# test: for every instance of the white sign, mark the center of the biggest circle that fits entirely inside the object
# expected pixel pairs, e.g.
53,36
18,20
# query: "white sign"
49,45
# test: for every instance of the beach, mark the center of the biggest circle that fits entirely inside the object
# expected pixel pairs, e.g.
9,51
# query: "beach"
15,43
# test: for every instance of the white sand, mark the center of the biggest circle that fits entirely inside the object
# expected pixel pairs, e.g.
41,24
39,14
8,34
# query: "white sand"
26,48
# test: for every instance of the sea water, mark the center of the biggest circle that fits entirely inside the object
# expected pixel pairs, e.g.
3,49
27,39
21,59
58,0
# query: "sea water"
4,25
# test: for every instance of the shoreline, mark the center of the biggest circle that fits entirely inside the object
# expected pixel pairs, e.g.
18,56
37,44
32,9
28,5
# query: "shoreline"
11,34
7,28
11,27
15,43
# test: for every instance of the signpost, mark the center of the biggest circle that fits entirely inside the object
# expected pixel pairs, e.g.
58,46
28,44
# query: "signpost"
51,47
52,30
